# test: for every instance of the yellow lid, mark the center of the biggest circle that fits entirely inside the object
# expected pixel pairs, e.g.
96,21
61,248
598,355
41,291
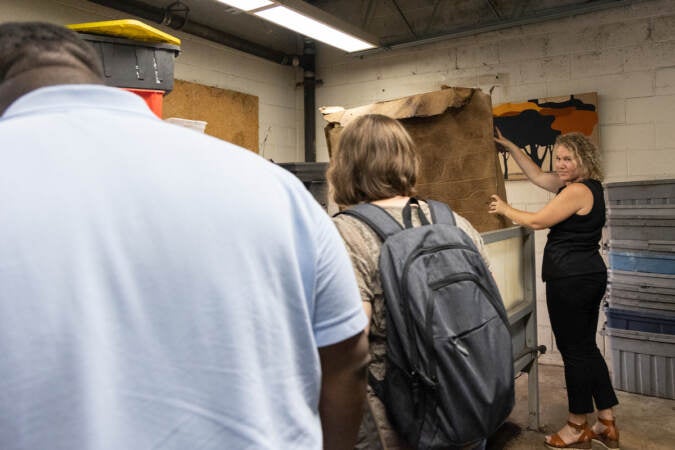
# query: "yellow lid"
126,28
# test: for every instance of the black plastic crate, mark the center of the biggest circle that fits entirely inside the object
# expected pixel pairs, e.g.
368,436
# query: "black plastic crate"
135,64
307,171
313,176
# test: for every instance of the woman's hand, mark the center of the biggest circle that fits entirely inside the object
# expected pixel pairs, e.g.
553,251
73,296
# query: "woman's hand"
503,143
497,205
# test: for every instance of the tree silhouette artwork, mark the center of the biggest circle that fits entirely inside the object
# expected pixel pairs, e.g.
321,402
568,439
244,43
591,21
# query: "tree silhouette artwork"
530,131
534,125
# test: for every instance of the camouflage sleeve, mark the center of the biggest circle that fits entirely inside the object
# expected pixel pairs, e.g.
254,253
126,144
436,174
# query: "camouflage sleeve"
363,247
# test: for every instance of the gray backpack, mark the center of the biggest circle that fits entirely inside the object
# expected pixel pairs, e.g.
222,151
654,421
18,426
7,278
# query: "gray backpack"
449,379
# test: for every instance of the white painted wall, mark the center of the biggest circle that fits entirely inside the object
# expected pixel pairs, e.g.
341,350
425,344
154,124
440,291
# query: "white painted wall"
626,55
205,62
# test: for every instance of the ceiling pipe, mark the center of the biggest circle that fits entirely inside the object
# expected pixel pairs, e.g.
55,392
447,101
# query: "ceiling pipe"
309,87
177,21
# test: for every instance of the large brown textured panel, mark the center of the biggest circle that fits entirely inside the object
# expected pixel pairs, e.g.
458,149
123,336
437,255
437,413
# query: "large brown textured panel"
231,116
453,132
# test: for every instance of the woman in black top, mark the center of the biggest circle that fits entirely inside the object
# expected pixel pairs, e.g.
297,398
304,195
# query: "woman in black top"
576,278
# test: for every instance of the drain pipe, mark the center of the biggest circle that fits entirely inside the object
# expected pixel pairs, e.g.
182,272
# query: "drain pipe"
178,20
309,83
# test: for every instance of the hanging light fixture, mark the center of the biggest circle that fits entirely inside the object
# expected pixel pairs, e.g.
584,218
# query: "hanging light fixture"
309,21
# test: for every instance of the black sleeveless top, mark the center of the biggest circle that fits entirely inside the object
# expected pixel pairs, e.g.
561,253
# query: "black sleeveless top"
573,246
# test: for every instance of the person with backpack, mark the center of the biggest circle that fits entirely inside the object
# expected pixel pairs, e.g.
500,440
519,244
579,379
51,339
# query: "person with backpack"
417,391
576,278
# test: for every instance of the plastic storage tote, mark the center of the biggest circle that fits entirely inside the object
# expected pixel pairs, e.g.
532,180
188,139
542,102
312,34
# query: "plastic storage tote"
643,363
135,64
313,176
642,291
651,322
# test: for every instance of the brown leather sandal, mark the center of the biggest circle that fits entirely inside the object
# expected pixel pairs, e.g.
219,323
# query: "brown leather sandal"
582,443
610,436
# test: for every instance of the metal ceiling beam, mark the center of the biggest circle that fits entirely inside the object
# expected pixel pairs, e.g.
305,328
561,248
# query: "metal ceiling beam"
520,8
405,19
431,17
494,9
370,13
549,14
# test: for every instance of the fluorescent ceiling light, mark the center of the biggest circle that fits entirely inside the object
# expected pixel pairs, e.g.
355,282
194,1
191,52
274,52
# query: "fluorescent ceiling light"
247,5
310,27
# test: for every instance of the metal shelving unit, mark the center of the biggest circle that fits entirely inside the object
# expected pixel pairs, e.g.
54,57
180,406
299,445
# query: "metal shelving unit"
513,263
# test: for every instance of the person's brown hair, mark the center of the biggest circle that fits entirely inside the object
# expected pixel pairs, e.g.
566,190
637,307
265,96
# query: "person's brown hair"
585,152
375,160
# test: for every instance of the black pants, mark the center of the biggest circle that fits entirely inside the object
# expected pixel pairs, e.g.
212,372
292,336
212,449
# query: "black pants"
573,307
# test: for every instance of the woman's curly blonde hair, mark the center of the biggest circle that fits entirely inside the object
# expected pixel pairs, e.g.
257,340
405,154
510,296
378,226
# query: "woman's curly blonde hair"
585,152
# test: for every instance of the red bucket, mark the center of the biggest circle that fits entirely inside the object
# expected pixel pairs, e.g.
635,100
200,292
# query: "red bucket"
152,97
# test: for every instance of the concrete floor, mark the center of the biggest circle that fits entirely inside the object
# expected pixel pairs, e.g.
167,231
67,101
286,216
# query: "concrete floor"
645,423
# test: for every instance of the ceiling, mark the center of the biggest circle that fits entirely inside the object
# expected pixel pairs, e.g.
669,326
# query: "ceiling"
395,23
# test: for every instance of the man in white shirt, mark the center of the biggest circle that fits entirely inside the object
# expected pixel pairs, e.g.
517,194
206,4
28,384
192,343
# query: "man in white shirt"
159,288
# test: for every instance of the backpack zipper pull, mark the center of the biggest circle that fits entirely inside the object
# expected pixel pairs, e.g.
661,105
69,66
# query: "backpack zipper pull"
459,346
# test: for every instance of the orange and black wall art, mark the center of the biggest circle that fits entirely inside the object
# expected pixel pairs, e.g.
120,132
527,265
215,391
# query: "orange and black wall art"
535,124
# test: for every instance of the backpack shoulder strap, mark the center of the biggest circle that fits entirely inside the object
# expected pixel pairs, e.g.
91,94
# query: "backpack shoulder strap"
441,212
376,218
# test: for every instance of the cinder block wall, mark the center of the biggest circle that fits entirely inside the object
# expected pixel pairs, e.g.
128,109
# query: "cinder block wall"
625,54
205,62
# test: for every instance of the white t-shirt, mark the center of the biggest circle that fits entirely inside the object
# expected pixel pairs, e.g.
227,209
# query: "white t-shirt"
159,288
